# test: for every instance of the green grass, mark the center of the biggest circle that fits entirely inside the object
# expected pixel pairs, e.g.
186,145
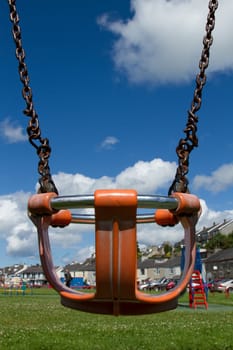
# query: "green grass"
38,322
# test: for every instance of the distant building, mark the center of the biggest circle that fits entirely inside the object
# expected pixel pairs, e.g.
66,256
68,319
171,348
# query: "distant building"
9,272
220,264
35,275
152,251
86,271
207,233
12,271
153,269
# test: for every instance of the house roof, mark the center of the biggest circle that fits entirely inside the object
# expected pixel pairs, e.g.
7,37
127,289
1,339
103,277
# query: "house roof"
12,270
33,269
220,227
80,267
222,255
173,262
150,263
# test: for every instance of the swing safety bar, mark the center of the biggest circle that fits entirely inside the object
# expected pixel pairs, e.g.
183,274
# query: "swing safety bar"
115,218
87,201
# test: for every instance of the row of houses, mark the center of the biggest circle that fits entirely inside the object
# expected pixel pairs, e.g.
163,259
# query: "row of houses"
216,265
207,233
34,274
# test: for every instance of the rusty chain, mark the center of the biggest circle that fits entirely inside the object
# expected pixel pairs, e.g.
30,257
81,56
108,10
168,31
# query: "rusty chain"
33,129
186,145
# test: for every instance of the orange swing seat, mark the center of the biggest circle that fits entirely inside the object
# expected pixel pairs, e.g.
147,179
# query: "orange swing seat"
115,220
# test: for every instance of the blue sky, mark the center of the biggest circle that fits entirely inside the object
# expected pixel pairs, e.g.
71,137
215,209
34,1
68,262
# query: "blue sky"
112,82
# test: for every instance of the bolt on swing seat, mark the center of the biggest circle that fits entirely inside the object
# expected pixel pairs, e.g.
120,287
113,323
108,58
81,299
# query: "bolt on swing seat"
115,222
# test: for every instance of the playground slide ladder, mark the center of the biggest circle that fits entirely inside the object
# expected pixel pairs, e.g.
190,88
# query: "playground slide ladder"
197,295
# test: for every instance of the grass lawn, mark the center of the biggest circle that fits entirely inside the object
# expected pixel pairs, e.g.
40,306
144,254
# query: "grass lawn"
37,322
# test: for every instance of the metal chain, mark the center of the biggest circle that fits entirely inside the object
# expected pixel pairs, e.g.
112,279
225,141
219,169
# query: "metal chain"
34,133
186,145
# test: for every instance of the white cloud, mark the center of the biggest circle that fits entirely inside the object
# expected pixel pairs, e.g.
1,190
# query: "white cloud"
210,216
219,180
85,252
162,41
109,142
12,132
19,246
12,212
145,177
66,238
75,242
16,230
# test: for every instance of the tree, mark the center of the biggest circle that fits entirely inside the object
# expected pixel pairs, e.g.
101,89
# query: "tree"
139,253
220,241
167,247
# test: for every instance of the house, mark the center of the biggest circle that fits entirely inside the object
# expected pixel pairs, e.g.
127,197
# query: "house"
207,233
35,275
152,252
172,267
148,270
9,272
86,271
219,264
155,269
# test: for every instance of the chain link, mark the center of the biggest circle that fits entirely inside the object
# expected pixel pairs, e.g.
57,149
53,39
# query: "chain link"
34,133
186,145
